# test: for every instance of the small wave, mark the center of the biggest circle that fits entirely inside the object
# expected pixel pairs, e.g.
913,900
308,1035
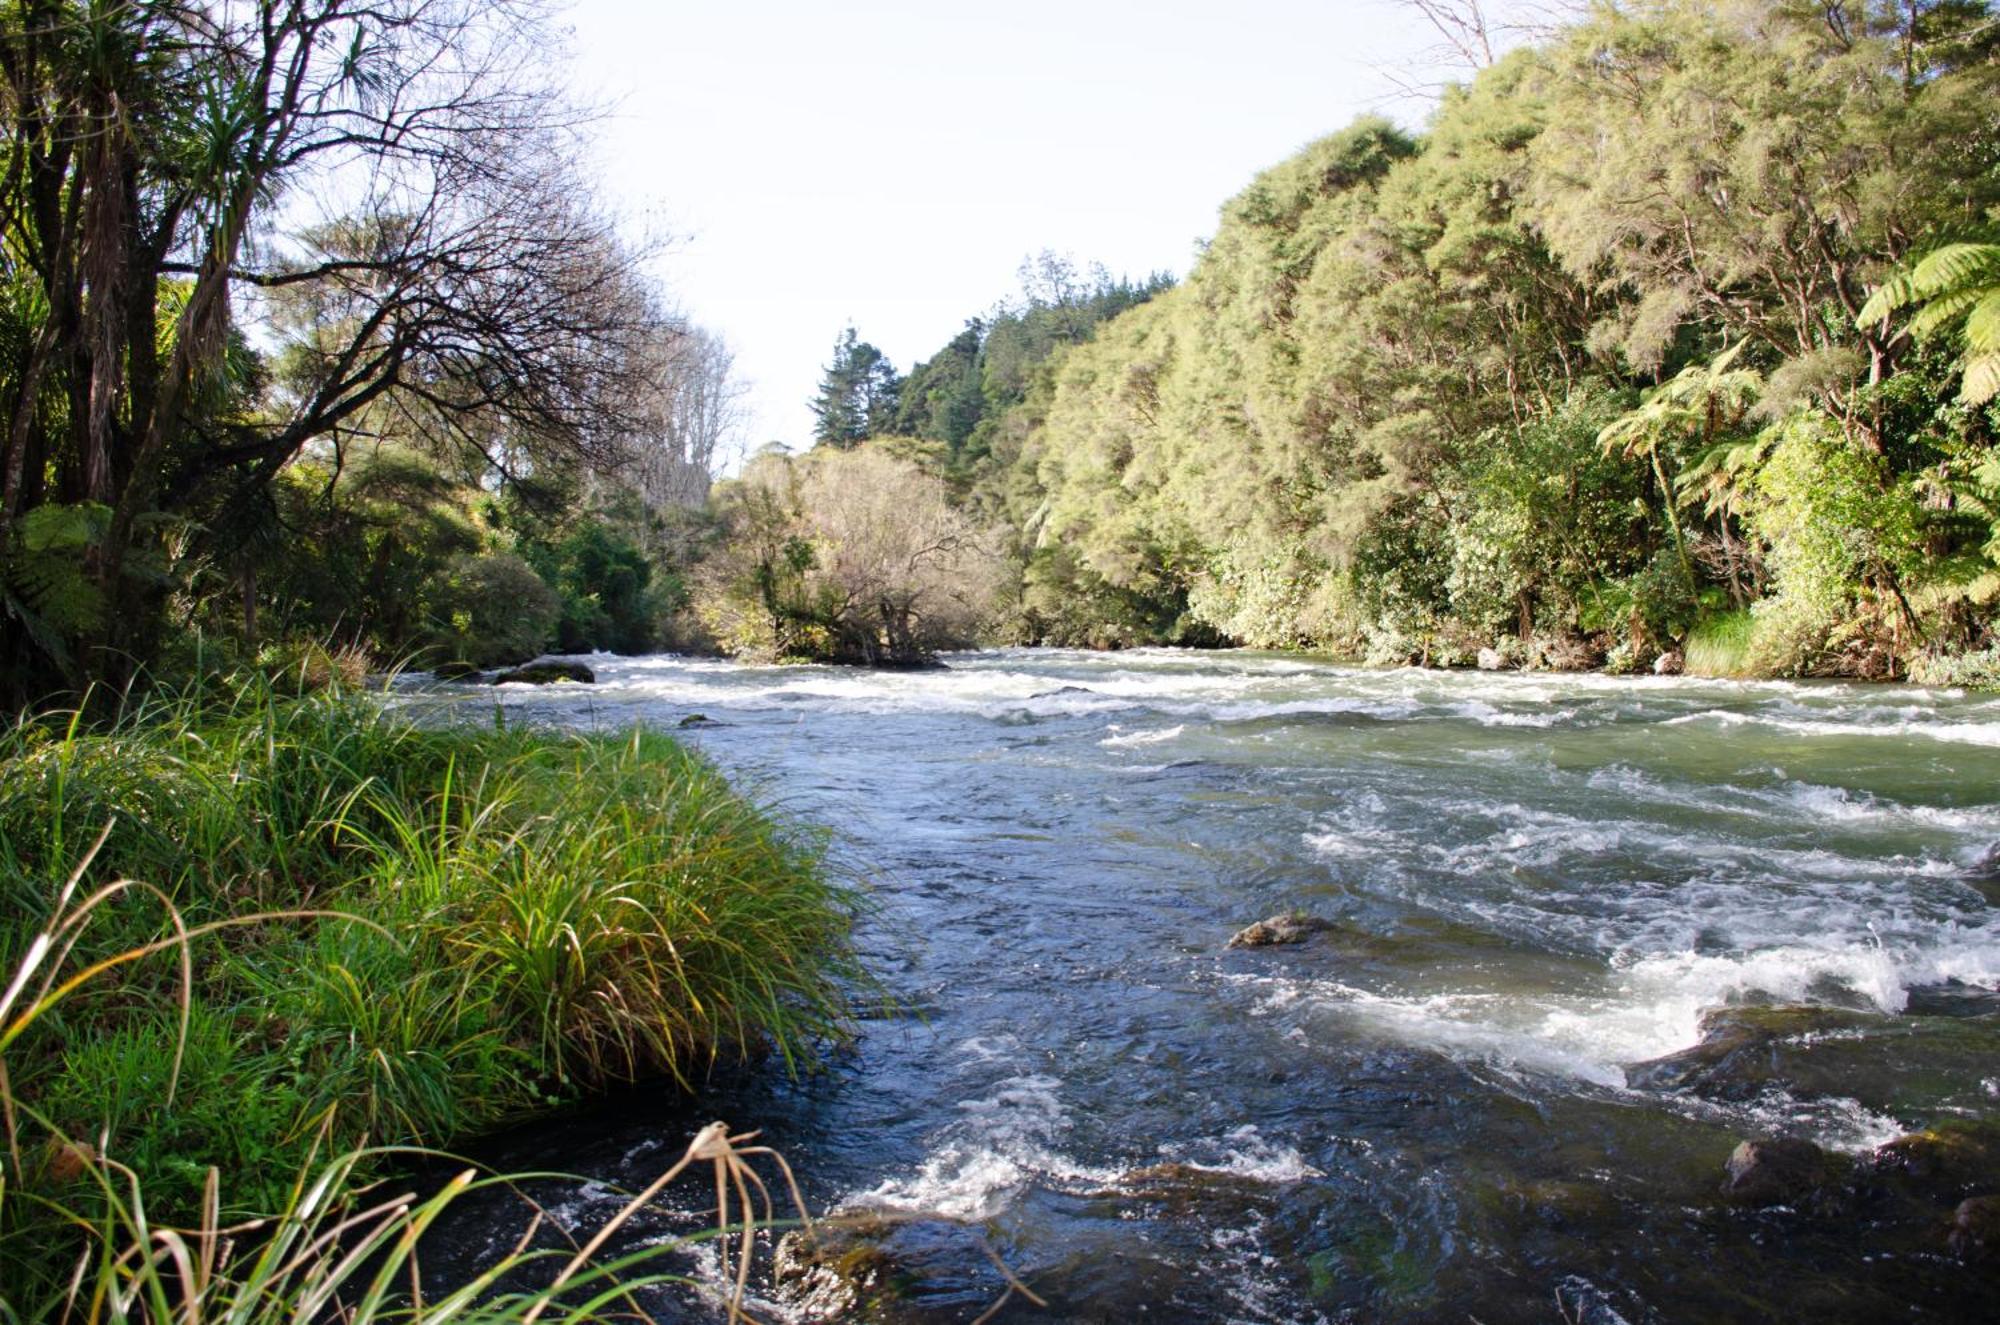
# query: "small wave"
1964,733
1245,1153
1004,1141
1124,739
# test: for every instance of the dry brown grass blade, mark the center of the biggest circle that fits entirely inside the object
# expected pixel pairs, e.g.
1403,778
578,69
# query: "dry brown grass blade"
711,1145
1014,1285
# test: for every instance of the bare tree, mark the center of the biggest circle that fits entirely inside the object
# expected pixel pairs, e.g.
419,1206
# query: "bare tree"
1471,35
693,406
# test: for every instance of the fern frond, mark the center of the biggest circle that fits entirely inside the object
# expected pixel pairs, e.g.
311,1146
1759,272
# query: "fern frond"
1942,311
1982,379
1982,325
1954,267
1899,291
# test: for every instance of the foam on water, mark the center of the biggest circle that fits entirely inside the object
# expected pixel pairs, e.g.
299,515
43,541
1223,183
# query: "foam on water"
1005,1140
1120,739
1244,1153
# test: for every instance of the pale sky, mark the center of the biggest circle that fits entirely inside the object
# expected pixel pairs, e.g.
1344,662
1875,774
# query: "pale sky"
890,163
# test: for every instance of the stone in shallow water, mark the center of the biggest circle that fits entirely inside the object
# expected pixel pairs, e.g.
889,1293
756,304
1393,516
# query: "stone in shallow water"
547,673
1779,1171
1954,1159
832,1272
1293,927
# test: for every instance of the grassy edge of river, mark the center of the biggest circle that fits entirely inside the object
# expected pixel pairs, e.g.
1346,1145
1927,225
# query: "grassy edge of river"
323,928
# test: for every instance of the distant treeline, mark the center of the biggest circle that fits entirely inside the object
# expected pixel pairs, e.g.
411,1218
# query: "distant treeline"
1586,373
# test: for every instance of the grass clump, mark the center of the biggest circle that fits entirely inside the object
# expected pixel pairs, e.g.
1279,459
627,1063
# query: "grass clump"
1720,645
409,934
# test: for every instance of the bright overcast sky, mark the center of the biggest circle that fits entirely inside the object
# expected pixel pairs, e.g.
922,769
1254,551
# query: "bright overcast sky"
891,162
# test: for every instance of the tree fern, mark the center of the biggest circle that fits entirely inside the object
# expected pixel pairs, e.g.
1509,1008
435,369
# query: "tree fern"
1957,285
48,583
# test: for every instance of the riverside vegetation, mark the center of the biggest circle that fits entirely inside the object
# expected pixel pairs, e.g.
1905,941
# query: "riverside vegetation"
316,925
1673,332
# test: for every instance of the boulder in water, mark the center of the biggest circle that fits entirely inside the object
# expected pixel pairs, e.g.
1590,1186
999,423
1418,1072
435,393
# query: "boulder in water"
1584,1303
1952,1160
698,720
547,673
1670,663
832,1271
1290,927
1493,660
1780,1171
456,669
1744,1050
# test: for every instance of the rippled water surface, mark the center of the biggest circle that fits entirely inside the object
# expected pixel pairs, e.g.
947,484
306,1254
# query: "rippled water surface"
1422,1114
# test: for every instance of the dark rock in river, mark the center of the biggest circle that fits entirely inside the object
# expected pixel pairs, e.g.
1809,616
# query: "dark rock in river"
698,720
1742,1051
458,669
1584,1303
1294,927
830,1273
1975,1229
1951,1160
547,673
1780,1171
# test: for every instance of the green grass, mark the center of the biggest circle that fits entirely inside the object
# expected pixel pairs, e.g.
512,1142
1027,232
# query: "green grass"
404,935
1720,646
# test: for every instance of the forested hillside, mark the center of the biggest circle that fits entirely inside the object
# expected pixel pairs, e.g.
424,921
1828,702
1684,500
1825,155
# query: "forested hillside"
1586,372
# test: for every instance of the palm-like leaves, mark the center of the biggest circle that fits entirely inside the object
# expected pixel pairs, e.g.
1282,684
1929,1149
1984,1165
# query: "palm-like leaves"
1958,284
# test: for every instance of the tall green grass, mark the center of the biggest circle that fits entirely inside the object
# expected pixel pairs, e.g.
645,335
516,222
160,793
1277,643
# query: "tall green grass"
416,933
1721,646
338,1247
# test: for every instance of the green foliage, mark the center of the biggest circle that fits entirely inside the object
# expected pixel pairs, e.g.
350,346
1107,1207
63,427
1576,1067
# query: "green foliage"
1958,286
859,395
1840,529
1720,645
493,609
467,923
1578,369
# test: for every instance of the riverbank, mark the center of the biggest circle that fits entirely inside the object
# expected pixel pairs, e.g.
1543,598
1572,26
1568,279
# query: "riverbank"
366,931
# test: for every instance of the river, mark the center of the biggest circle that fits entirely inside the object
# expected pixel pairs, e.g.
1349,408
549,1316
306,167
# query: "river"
1426,1112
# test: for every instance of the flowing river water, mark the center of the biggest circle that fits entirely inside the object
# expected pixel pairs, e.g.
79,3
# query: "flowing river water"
1427,1112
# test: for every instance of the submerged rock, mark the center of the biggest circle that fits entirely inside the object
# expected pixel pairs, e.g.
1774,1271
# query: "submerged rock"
1975,1229
1584,1303
547,673
698,720
1779,1171
1742,1051
1944,1163
1292,927
830,1273
457,669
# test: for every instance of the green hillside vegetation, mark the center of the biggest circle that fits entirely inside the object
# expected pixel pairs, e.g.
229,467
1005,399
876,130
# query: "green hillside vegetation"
1579,374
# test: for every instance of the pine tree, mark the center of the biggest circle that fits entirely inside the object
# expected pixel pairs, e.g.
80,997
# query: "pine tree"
859,394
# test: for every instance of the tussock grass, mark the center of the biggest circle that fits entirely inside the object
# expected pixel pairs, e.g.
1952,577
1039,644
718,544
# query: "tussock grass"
339,1247
1720,646
412,934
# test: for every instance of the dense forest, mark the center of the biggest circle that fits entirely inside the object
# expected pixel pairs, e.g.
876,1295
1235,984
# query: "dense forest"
1671,334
